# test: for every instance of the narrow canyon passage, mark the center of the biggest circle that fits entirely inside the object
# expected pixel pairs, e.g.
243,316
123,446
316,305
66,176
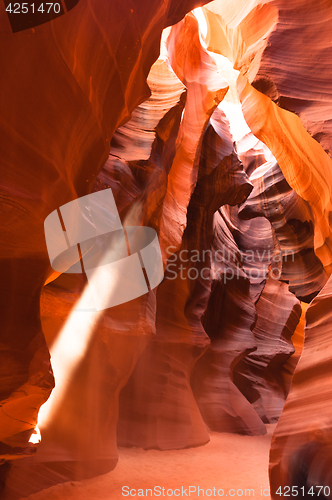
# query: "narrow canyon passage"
166,249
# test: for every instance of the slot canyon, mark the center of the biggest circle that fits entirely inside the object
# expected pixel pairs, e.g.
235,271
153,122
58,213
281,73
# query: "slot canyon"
193,140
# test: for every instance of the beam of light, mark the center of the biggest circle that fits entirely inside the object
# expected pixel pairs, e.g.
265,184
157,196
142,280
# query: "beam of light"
237,123
231,106
68,350
35,436
163,43
73,341
202,24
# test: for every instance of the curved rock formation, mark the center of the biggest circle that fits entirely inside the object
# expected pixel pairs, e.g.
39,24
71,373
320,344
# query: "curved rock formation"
306,417
305,165
198,72
291,220
302,36
222,405
240,34
297,341
259,253
163,413
259,374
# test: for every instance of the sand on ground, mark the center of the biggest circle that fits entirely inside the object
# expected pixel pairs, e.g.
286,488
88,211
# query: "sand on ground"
230,465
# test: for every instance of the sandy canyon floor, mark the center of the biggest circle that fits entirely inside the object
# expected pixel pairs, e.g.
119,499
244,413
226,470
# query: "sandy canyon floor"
236,464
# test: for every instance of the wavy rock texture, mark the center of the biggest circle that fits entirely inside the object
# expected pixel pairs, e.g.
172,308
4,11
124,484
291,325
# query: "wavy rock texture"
297,341
271,43
259,375
198,72
307,170
222,405
157,408
291,220
291,42
305,165
164,414
133,141
240,34
259,249
256,38
257,245
306,415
